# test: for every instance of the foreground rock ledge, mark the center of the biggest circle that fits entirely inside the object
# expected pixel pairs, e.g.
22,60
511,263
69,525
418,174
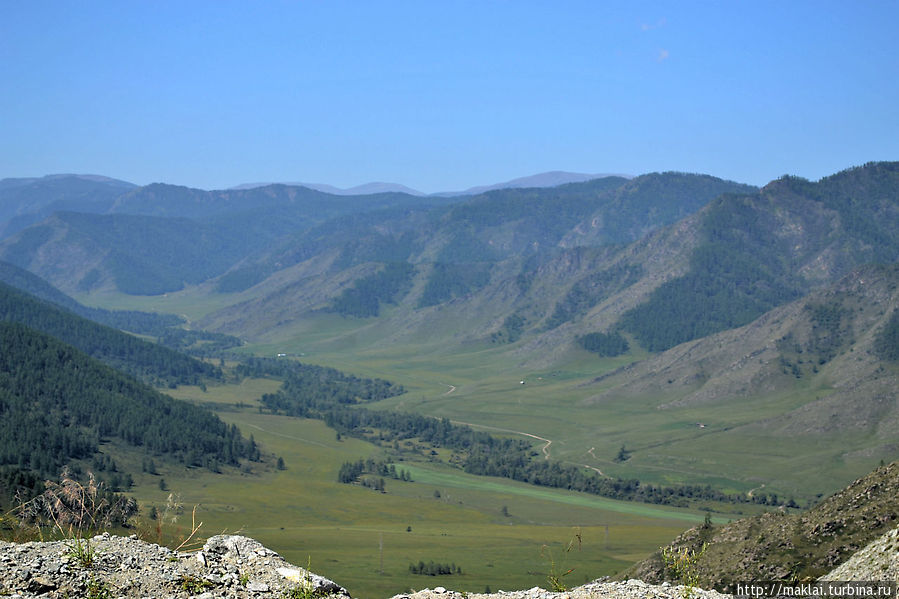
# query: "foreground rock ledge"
631,589
228,567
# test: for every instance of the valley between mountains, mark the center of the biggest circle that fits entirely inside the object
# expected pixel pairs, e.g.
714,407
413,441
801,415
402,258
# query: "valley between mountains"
473,379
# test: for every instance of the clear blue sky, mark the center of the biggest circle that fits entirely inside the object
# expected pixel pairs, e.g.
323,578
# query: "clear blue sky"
444,95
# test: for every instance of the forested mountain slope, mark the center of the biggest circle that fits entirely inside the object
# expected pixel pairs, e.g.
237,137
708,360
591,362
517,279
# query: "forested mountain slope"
485,251
148,361
763,250
842,337
146,323
58,404
812,382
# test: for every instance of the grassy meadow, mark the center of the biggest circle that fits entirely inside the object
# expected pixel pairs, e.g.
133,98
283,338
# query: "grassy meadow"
502,534
720,444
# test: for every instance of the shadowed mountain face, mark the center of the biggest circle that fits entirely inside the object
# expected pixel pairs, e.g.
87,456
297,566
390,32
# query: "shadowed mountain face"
157,238
24,202
608,254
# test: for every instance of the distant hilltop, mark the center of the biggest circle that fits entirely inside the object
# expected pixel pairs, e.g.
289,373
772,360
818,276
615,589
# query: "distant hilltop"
547,179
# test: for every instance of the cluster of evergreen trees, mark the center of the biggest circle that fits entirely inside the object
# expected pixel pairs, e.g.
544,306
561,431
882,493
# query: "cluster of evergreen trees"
310,390
591,290
197,343
726,287
886,343
365,297
605,344
17,485
434,569
510,332
522,467
57,405
351,472
828,334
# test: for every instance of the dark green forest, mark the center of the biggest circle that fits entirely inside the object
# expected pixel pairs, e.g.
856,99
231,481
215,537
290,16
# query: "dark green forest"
57,405
605,344
591,290
365,297
735,276
741,269
886,344
147,361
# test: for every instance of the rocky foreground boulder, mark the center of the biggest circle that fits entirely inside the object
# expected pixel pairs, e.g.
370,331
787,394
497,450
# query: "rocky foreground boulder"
630,589
107,567
232,566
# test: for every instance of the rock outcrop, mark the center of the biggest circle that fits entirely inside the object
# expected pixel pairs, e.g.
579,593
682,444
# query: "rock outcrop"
233,567
237,567
780,546
878,561
108,566
630,589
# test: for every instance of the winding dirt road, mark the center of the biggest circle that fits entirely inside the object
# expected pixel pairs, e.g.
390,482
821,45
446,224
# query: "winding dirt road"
545,448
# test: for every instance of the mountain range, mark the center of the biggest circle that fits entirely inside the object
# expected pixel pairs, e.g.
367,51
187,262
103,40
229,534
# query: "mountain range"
746,315
547,179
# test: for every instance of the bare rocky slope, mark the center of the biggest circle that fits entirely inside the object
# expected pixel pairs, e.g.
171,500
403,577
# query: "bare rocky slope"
779,546
877,561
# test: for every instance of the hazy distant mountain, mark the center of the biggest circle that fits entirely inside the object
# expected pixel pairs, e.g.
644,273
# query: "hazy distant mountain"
26,201
364,189
23,181
156,238
547,179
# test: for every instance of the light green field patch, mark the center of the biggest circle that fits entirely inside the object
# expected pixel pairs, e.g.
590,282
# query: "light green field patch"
484,483
360,537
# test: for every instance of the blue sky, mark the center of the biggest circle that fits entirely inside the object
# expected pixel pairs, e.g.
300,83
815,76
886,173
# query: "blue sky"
444,95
